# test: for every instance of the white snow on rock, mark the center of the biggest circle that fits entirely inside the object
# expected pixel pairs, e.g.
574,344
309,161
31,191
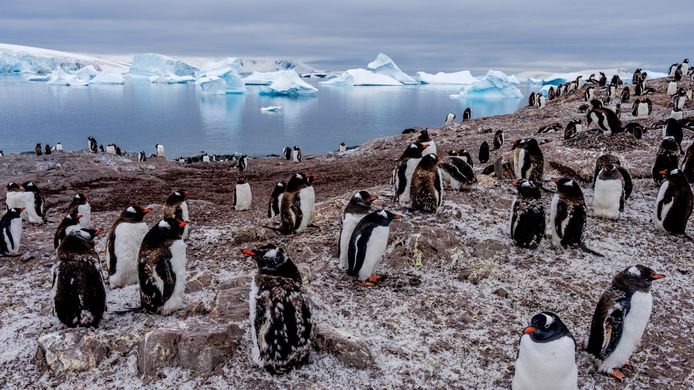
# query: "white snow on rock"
495,84
159,68
384,65
361,77
288,83
26,59
455,78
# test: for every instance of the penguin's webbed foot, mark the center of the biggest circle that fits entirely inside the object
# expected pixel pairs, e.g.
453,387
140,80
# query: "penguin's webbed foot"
618,374
372,280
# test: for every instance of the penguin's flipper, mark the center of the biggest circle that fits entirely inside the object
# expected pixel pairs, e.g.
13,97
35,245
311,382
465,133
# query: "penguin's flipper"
628,184
562,214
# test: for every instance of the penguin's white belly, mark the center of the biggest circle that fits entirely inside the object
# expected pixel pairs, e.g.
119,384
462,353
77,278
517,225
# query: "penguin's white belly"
589,94
178,264
634,324
127,249
111,149
518,168
665,208
160,150
25,200
550,365
556,240
205,159
184,211
672,88
243,197
676,115
447,178
375,248
642,110
409,171
252,303
608,194
429,150
16,232
17,199
295,156
349,222
541,101
308,202
681,101
85,210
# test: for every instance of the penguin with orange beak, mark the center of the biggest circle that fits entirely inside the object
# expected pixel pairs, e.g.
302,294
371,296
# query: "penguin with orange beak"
11,232
70,223
162,267
123,246
368,244
357,208
176,206
674,203
547,356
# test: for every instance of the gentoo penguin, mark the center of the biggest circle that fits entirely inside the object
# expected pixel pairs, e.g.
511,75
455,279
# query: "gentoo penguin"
280,312
457,173
589,94
611,92
287,153
111,148
532,99
296,154
47,149
425,139
342,147
402,175
666,160
678,73
541,101
636,76
620,319
557,91
673,128
609,197
466,156
685,66
58,147
123,246
568,215
671,88
160,150
79,295
642,108
679,100
35,207
357,208
38,150
298,203
573,128
1,153
141,156
603,79
688,163
606,119
368,244
101,149
242,195
551,94
674,203
449,118
243,163
483,155
527,215
11,232
531,161
70,223
518,156
635,129
176,206
616,80
276,200
91,144
162,267
592,79
467,114
611,159
81,203
498,139
626,95
426,191
546,356
206,158
550,128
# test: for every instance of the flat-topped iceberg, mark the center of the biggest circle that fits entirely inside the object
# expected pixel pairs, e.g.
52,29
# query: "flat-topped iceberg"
26,59
108,78
495,84
384,65
221,77
159,68
361,77
288,83
455,78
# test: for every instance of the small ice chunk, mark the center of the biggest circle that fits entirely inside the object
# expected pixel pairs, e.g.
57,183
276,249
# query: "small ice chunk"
271,108
288,83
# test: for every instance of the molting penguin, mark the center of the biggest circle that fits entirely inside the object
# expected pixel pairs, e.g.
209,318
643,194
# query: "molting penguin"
81,203
357,208
123,246
38,150
527,215
79,295
673,128
573,128
368,244
674,203
457,173
426,191
609,197
243,163
620,318
160,150
298,203
483,155
11,232
92,145
626,95
449,118
425,139
296,154
666,160
176,206
547,356
531,161
162,267
35,207
276,200
568,215
498,139
402,174
47,149
467,114
242,195
70,223
280,313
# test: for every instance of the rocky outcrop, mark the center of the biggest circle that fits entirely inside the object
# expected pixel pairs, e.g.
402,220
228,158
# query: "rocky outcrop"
71,350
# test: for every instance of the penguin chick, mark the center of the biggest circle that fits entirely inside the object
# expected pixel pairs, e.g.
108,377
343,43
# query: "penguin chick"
527,215
357,208
674,203
620,318
426,191
609,197
11,232
368,244
457,173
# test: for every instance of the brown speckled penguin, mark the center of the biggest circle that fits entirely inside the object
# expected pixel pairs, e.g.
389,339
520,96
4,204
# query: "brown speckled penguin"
298,204
426,191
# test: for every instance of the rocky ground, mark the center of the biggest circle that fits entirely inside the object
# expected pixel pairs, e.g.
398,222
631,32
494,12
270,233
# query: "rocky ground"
450,314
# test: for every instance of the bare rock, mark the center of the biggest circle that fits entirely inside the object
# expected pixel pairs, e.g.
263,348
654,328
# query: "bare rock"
71,350
231,304
501,292
205,347
198,281
346,347
158,349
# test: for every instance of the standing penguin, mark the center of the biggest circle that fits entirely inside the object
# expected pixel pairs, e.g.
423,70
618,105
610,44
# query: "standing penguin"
287,153
160,150
673,128
342,147
402,174
276,200
11,232
92,145
242,195
243,163
425,139
547,356
466,156
620,319
467,114
449,119
79,295
162,267
35,209
141,156
81,203
673,206
357,208
551,94
38,149
498,139
176,206
296,154
666,160
626,177
298,202
58,147
573,128
626,95
368,244
123,246
603,79
610,196
589,94
47,150
280,313
528,215
636,77
483,155
568,215
679,100
688,163
70,223
532,99
426,191
531,161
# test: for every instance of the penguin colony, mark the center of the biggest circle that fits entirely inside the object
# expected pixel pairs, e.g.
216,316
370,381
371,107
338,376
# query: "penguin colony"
280,310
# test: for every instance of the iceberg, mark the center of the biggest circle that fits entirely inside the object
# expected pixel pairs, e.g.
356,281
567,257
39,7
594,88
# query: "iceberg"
288,83
361,77
108,78
495,84
384,65
26,59
61,77
159,68
463,77
261,78
219,68
221,77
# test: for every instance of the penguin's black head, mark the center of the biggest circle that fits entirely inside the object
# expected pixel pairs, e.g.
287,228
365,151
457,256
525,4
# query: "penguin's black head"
87,234
609,170
134,214
414,150
675,176
546,326
273,260
669,143
636,277
14,212
279,189
430,160
527,189
80,199
13,187
424,136
517,143
177,196
596,103
568,187
362,199
385,217
532,146
170,228
453,153
30,186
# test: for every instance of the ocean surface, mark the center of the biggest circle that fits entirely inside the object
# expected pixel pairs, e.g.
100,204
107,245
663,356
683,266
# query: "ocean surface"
187,122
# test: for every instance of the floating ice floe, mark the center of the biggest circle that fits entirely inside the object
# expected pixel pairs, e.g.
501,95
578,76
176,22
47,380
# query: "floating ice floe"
495,84
384,65
382,72
159,68
287,83
271,108
456,78
221,77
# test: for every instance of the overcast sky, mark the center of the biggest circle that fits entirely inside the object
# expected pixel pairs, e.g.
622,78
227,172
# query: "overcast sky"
429,35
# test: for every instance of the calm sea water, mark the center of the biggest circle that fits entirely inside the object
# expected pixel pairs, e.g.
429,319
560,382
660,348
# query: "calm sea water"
138,116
